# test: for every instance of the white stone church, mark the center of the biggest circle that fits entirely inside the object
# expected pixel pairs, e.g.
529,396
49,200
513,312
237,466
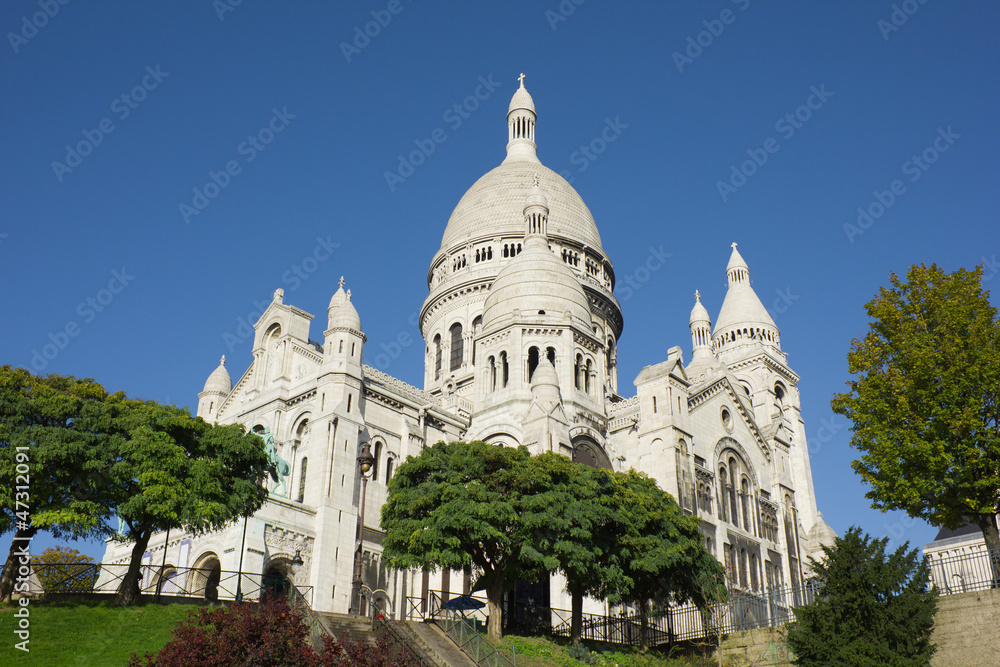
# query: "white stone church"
521,327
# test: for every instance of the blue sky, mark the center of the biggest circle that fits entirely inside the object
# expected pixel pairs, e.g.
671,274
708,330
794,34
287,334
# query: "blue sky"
768,124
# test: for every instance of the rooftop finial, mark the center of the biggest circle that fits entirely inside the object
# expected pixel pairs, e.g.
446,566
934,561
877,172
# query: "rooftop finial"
734,245
697,295
341,281
520,79
222,362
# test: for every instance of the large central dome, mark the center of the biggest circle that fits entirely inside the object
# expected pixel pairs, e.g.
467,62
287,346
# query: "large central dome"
494,205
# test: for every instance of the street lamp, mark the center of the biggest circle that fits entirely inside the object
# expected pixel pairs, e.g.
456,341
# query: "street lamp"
365,461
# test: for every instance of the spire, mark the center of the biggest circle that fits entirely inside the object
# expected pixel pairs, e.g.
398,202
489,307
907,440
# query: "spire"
521,125
701,330
743,320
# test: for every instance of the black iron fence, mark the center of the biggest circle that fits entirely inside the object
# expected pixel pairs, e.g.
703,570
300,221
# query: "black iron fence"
211,584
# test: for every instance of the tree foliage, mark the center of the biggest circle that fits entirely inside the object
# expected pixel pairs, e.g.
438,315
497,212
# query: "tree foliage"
508,515
89,455
48,450
659,551
171,471
925,404
64,570
264,634
459,506
873,609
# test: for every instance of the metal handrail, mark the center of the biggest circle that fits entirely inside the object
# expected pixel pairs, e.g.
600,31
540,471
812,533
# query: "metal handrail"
462,631
381,621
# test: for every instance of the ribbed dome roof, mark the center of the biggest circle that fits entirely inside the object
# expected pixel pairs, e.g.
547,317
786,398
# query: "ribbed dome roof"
219,380
698,313
536,281
341,312
521,100
494,205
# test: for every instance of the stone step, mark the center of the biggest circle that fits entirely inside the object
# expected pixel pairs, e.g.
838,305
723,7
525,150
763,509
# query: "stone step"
436,645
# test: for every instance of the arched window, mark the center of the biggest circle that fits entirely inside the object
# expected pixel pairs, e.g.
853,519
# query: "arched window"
723,481
437,357
302,478
734,510
388,468
504,368
744,501
550,353
377,453
532,361
477,326
492,363
457,347
586,376
577,368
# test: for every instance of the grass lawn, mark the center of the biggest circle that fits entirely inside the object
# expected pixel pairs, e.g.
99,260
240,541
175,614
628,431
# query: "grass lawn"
89,634
547,652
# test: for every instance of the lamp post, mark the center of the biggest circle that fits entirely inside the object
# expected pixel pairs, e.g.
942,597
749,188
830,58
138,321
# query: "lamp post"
239,575
365,461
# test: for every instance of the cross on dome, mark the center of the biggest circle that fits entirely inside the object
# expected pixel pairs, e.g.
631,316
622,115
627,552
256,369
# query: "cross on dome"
697,295
222,362
341,281
520,79
734,245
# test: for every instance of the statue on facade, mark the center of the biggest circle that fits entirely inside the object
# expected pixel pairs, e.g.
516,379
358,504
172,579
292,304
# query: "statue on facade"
279,469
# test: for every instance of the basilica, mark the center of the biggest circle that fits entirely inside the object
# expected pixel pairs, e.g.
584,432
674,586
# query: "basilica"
521,327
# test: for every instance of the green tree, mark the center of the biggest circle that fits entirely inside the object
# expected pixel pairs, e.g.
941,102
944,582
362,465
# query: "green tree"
171,470
572,529
872,609
659,550
53,468
64,570
925,404
459,505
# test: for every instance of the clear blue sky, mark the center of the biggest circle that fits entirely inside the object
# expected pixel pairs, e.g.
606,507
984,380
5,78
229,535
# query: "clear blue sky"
694,88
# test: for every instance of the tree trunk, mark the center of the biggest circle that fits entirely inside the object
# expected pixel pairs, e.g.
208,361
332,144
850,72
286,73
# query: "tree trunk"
494,598
576,615
17,545
643,625
988,524
128,589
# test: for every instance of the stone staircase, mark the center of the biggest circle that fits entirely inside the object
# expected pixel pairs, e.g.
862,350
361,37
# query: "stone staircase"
359,628
435,644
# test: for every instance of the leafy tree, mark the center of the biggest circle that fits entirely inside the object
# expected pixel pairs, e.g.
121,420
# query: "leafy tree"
53,468
573,529
659,550
64,570
171,470
873,608
926,400
459,506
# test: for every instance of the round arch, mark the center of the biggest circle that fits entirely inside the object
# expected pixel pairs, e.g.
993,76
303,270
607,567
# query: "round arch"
588,452
205,576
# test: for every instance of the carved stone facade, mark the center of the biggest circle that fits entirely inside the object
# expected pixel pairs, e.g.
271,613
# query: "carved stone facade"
521,328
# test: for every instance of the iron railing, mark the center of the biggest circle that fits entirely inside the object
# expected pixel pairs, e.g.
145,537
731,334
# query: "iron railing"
462,629
963,573
398,640
187,582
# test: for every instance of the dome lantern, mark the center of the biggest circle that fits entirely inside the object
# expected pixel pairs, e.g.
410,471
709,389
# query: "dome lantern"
521,119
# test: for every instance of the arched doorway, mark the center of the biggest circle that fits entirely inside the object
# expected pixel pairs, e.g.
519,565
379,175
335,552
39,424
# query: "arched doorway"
589,453
205,577
276,582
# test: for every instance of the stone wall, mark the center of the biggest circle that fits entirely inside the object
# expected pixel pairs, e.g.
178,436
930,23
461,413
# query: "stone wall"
967,629
765,647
